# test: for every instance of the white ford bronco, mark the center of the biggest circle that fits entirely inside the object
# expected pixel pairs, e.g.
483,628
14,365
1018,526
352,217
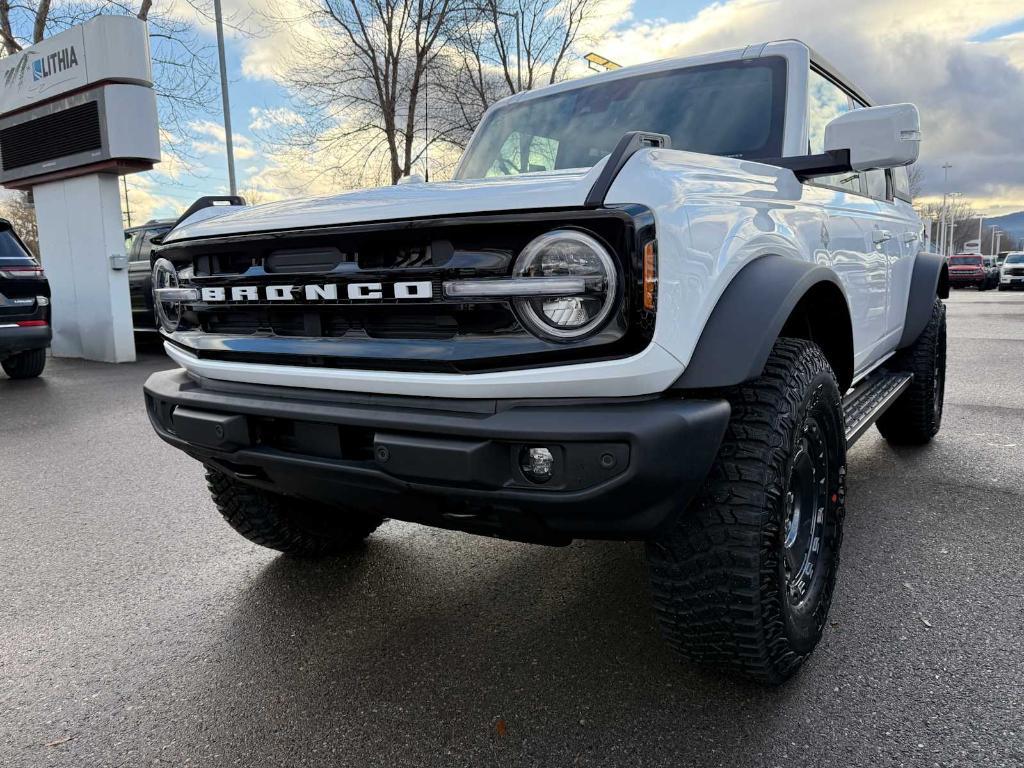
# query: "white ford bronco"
654,304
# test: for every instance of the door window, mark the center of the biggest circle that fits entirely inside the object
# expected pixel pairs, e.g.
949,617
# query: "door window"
876,186
131,242
901,184
825,102
147,243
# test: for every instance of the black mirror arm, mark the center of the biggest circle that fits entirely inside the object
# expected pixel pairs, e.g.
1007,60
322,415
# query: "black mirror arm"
809,166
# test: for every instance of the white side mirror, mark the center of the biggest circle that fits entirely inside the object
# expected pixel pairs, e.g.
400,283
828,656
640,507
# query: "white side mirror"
877,137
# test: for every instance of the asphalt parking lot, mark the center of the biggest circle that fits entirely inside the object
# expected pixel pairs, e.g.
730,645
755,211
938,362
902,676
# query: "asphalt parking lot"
137,629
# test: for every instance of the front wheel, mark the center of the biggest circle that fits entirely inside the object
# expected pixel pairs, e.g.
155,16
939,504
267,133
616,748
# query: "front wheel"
287,524
25,365
744,577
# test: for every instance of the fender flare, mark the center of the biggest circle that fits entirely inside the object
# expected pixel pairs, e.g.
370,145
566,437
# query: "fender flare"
930,278
749,317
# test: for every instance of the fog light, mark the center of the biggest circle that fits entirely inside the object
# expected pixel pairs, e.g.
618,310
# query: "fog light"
538,464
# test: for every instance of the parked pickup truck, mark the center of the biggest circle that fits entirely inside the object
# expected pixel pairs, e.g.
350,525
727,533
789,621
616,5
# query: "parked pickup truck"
654,304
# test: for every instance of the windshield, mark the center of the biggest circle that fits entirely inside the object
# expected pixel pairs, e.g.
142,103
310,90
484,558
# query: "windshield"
965,261
733,109
1015,258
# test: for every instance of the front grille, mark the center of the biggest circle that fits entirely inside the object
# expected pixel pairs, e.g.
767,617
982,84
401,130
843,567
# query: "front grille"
389,331
1015,271
51,136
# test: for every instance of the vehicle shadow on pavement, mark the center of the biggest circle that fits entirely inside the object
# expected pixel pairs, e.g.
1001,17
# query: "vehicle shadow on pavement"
542,655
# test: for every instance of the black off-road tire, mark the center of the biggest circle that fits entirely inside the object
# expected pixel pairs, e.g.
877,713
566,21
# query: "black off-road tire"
724,591
916,416
289,525
25,365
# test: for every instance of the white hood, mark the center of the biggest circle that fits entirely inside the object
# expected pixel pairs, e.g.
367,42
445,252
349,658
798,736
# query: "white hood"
529,191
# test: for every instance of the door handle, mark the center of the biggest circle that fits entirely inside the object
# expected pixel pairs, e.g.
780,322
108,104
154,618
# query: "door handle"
882,236
911,237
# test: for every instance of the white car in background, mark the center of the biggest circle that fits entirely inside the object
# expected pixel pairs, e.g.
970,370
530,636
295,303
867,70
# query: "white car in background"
1011,273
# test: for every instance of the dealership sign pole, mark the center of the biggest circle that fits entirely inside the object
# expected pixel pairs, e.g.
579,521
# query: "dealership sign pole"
76,111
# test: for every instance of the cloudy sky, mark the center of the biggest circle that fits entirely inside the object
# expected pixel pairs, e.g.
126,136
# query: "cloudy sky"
961,62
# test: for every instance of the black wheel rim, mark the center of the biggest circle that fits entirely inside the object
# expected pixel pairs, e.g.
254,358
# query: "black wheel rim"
804,513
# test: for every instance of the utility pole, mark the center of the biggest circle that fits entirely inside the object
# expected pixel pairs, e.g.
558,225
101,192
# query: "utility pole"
218,17
127,205
945,207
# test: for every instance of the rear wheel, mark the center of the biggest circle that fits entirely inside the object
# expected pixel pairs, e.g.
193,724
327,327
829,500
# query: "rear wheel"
744,577
25,365
916,416
287,524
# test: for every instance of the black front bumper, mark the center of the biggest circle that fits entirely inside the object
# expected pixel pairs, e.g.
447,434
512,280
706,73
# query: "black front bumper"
23,338
621,467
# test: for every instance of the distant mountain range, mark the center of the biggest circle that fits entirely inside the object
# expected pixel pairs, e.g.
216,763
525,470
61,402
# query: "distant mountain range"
1012,223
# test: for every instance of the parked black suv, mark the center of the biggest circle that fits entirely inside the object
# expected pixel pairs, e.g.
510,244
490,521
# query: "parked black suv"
138,244
24,308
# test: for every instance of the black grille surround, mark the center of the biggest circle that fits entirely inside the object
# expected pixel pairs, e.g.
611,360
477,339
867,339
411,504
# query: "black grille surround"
435,334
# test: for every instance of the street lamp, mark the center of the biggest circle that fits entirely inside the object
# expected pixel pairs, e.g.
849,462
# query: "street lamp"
219,19
950,244
519,55
945,207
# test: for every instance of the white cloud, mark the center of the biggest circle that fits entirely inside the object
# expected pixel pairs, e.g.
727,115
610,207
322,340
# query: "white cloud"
242,145
971,95
267,118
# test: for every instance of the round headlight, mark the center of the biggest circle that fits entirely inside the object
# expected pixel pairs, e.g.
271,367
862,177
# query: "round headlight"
567,253
168,312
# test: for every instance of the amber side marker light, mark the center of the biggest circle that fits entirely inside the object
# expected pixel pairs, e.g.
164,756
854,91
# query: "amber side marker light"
650,275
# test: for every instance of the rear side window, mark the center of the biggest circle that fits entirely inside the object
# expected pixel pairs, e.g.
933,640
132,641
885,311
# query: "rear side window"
11,252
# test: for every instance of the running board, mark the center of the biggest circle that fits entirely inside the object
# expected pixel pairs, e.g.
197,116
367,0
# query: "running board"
871,398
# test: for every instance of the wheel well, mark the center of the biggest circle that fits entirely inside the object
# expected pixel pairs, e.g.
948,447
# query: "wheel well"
821,316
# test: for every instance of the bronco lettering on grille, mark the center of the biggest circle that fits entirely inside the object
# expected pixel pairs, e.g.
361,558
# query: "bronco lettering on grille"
325,292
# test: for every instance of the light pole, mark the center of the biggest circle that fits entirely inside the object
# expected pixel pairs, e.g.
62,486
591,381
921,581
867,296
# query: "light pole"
519,55
945,194
950,241
218,17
